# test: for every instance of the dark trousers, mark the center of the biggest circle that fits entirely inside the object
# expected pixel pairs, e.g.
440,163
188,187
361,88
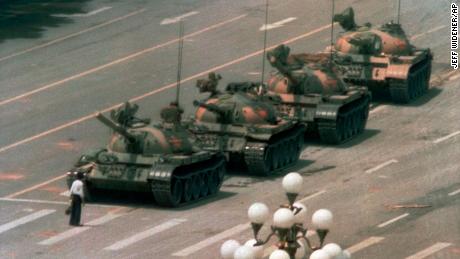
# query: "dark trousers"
75,213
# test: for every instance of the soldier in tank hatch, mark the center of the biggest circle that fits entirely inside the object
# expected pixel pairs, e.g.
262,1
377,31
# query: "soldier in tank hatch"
209,85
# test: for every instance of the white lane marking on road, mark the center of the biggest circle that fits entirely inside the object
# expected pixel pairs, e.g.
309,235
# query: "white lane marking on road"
270,249
178,18
277,24
56,202
212,240
66,193
312,196
439,140
429,251
376,168
428,32
364,244
75,231
115,62
100,10
254,73
145,234
378,109
161,89
72,35
386,223
454,192
24,220
34,187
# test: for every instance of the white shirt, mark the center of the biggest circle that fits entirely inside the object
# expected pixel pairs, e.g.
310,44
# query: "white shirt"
77,188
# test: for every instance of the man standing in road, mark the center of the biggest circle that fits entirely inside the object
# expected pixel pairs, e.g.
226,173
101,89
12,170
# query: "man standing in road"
76,196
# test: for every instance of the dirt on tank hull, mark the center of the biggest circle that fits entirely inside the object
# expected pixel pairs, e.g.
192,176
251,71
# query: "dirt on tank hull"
158,159
382,58
247,130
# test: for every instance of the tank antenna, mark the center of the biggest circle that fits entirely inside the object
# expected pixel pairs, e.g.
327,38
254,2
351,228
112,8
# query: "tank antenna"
332,33
265,42
399,9
179,59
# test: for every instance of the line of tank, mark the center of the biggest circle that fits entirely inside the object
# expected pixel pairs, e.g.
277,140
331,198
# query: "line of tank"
253,126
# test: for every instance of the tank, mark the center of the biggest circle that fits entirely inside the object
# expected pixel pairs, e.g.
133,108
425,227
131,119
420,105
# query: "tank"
382,58
306,88
246,129
161,159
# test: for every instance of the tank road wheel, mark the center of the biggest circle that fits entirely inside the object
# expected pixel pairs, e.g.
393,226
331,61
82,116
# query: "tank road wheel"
204,184
176,192
172,198
213,183
221,175
195,187
188,190
88,192
364,116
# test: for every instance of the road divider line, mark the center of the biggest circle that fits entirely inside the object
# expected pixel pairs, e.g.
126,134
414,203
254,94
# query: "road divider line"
75,231
34,187
364,244
115,62
178,18
454,192
72,35
378,109
65,193
386,223
94,12
145,234
161,89
24,220
212,240
57,202
376,168
439,140
277,24
312,196
429,251
428,32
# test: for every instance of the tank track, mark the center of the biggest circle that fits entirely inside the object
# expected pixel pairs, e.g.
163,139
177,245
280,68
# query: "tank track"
417,83
351,121
282,151
188,183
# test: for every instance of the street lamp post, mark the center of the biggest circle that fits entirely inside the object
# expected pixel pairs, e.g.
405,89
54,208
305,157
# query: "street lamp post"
288,226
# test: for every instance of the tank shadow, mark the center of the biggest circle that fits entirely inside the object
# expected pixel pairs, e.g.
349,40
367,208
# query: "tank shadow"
384,97
431,94
367,134
146,201
29,18
256,178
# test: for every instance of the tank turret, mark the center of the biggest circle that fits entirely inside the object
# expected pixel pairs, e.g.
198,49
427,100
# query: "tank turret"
381,57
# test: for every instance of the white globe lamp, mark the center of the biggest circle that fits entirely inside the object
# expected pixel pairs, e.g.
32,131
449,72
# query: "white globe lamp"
228,248
283,218
319,254
258,251
279,254
333,250
244,252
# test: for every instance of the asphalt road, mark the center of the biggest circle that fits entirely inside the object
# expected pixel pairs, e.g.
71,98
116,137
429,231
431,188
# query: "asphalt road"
393,190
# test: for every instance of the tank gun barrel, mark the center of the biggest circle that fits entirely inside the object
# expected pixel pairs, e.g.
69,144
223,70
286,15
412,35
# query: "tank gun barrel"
211,107
117,128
